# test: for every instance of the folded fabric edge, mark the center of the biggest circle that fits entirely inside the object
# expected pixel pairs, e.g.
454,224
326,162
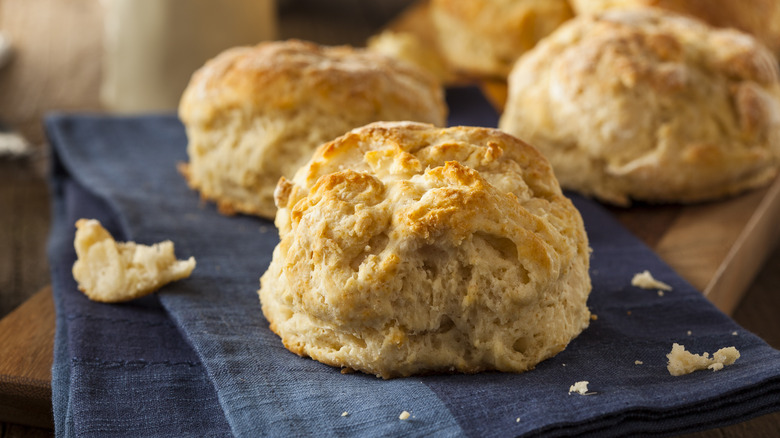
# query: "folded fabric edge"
61,370
762,398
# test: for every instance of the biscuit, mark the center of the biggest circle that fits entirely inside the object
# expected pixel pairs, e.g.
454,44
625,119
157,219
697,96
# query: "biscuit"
111,272
649,105
485,37
409,249
409,47
253,114
761,18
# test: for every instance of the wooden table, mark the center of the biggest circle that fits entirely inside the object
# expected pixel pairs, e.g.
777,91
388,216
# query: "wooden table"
718,247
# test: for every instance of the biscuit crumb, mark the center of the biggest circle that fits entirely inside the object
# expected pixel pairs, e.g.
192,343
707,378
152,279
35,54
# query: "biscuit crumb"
109,271
580,388
344,414
689,332
683,362
517,420
660,293
593,317
645,280
404,415
638,362
734,333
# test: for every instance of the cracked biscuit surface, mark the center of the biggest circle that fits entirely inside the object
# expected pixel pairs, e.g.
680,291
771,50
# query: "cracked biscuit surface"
408,249
253,114
649,105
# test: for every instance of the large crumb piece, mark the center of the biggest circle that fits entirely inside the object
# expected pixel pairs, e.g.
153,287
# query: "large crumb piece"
110,271
683,362
404,415
580,388
645,280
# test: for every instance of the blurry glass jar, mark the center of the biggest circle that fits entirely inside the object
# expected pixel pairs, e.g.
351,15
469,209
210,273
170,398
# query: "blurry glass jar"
152,47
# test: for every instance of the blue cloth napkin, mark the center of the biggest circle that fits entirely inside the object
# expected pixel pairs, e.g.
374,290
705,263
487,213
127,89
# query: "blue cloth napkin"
198,359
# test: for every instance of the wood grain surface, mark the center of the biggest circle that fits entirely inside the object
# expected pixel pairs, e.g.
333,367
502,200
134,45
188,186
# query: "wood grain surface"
27,340
58,67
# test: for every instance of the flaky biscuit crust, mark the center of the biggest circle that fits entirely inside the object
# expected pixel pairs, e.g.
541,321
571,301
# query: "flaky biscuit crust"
409,249
649,105
485,37
760,18
254,114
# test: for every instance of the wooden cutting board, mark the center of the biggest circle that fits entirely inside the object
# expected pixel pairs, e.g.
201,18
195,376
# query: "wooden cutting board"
26,353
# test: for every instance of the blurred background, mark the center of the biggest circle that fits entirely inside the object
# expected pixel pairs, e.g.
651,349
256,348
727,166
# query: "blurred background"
121,56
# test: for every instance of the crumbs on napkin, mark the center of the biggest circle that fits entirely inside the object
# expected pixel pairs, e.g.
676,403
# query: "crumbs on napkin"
645,280
404,415
683,362
580,388
109,271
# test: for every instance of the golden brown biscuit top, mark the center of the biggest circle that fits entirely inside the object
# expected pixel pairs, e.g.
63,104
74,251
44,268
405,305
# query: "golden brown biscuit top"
654,46
417,183
495,17
485,37
760,18
281,75
394,151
